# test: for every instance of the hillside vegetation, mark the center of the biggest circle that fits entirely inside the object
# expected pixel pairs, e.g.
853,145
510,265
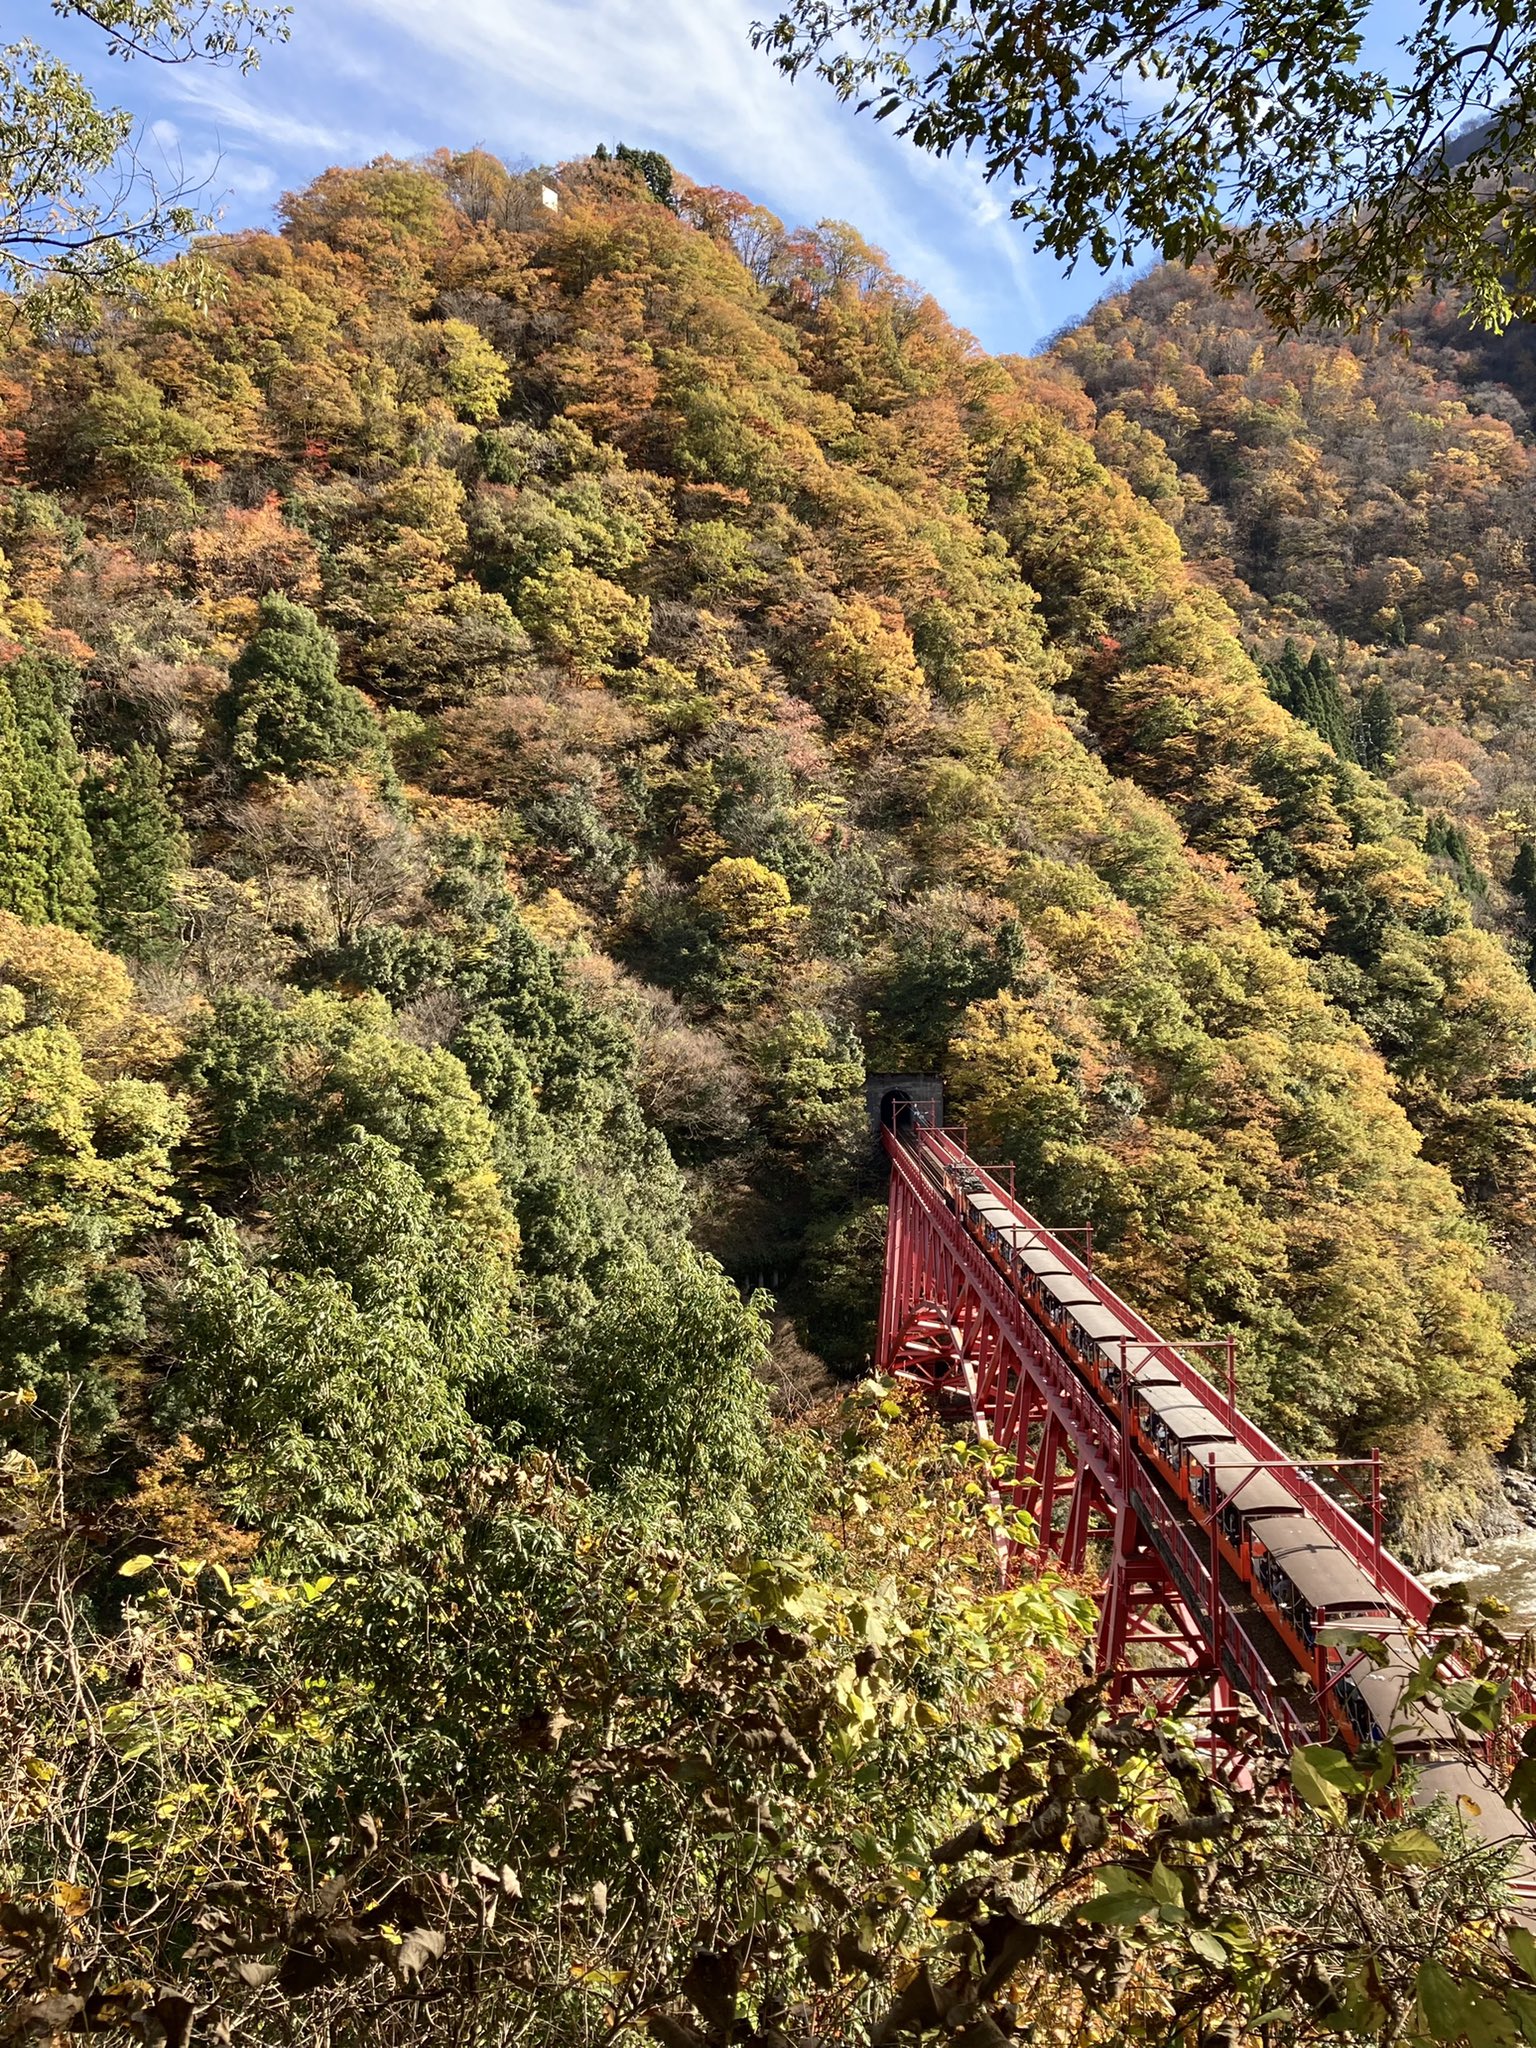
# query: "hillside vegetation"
1364,504
506,717
548,702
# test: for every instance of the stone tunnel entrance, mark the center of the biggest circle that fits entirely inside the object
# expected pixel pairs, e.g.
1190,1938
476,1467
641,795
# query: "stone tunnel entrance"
897,1102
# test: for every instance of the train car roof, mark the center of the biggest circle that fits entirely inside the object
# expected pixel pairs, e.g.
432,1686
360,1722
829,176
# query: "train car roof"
1099,1322
1067,1290
1197,1425
1382,1686
1147,1365
1315,1565
1249,1490
1019,1235
1482,1812
1165,1397
1041,1258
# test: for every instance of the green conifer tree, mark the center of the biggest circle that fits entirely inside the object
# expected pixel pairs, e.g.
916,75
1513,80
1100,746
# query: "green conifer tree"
1309,689
47,874
649,165
139,845
1327,713
1287,676
1444,837
286,710
1378,733
1522,886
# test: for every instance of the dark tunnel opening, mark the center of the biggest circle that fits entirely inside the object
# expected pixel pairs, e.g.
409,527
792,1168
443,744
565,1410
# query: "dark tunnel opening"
897,1112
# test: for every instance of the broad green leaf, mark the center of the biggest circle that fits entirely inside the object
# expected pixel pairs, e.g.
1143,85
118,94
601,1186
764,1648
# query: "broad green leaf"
1117,1909
1209,1945
1413,1849
1522,1787
1325,1778
1166,1888
1444,2006
135,1567
1341,1638
1521,2006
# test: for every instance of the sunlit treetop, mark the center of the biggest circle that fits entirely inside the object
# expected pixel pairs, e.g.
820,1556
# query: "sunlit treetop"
1251,131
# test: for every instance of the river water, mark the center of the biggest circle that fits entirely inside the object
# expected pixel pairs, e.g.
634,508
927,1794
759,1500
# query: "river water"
1504,1569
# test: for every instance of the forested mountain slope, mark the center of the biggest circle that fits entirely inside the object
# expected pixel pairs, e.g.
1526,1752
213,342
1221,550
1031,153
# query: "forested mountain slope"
526,709
1364,504
1370,497
506,717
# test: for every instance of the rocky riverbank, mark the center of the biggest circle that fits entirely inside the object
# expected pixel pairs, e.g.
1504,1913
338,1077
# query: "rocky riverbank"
1499,1562
1520,1490
1473,1509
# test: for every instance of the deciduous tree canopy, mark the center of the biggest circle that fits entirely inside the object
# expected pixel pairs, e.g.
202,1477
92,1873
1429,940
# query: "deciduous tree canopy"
1264,137
506,718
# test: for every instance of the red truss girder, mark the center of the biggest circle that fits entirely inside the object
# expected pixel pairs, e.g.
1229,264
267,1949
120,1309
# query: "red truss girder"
949,1324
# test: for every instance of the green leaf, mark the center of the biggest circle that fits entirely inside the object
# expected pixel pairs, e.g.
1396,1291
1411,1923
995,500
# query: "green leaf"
1522,1787
1117,1909
1209,1946
1522,2010
1325,1778
1522,1946
1166,1888
1355,1639
135,1566
1444,2007
1413,1849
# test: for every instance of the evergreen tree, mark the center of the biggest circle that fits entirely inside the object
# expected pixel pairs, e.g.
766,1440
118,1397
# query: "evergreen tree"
1443,836
1285,677
1309,690
47,874
139,845
286,710
649,165
1378,734
1522,885
1319,700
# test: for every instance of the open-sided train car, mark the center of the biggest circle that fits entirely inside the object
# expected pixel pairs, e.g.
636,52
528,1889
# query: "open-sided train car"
1370,1698
1303,1580
1176,1431
1135,1364
1230,1481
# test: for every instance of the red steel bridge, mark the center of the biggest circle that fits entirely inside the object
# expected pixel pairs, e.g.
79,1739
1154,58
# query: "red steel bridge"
1225,1561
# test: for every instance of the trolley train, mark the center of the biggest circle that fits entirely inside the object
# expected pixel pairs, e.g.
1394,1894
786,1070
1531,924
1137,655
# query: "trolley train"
1299,1577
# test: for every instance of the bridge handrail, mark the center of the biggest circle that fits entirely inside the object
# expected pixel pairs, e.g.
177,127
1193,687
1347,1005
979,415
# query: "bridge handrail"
1393,1577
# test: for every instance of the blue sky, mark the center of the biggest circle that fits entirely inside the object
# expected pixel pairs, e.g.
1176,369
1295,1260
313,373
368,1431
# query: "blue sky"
548,79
